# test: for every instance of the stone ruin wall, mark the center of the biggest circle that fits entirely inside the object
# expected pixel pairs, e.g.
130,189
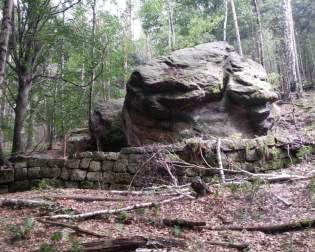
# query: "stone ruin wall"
110,170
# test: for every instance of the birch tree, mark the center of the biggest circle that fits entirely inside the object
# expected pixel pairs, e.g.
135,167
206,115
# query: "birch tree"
237,30
260,41
4,41
226,7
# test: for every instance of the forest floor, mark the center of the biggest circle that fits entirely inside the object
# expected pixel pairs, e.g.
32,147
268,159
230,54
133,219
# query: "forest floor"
251,205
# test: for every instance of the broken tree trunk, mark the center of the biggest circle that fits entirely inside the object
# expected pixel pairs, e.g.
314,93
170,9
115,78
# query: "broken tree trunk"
73,227
272,229
117,210
126,244
20,203
183,223
85,198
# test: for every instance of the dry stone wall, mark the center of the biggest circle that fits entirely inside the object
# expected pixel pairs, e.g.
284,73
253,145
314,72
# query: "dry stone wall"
110,170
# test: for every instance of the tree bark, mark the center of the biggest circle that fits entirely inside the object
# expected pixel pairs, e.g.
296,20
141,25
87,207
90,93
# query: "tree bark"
260,41
20,110
4,41
225,19
171,25
237,30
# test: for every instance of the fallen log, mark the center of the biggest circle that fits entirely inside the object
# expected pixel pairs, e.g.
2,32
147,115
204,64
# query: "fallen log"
183,223
271,229
85,198
28,203
117,210
239,246
126,244
76,228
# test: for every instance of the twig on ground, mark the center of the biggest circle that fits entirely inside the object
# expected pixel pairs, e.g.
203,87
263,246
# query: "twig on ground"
219,159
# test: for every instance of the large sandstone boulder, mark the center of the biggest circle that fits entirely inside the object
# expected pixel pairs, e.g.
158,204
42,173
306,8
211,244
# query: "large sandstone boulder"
205,91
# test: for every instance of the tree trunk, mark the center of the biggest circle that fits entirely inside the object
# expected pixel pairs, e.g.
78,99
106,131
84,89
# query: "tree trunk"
171,25
92,57
237,30
260,41
294,77
20,110
4,41
225,19
30,131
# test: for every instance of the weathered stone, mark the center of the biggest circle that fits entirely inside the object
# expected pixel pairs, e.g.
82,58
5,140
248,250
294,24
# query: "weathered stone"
36,162
106,126
65,173
33,173
88,184
237,156
94,176
79,140
107,177
19,186
56,163
135,158
20,173
251,155
21,164
85,163
6,176
50,172
190,172
108,165
122,179
121,164
95,166
73,163
78,175
132,168
205,91
86,154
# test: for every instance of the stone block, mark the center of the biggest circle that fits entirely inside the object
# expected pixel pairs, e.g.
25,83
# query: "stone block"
107,177
6,176
20,164
65,174
94,176
237,156
20,186
36,162
50,172
85,162
133,167
73,163
121,165
78,175
95,166
122,178
86,154
135,158
251,155
108,165
33,173
20,173
56,163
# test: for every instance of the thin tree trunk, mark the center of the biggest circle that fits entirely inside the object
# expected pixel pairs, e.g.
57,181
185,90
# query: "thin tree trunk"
92,57
293,64
237,30
260,41
20,113
225,19
30,131
4,41
171,26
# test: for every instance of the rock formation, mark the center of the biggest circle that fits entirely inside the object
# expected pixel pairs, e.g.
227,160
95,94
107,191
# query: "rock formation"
205,91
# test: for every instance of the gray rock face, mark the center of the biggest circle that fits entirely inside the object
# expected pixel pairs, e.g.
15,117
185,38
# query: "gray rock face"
205,91
106,126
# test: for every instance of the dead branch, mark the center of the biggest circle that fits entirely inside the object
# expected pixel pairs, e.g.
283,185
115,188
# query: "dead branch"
285,202
183,223
272,229
76,228
28,203
117,210
126,244
239,246
85,198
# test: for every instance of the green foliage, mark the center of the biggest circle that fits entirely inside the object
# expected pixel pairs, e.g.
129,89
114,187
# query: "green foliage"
140,211
22,231
304,151
45,184
177,231
122,217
